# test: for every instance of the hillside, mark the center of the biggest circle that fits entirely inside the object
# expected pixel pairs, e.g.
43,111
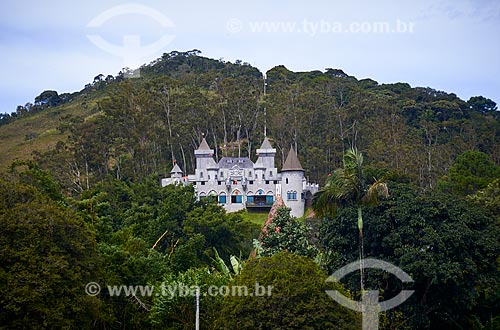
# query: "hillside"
89,218
131,128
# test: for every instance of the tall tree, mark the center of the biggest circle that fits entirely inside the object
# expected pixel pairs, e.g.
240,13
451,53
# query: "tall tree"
348,185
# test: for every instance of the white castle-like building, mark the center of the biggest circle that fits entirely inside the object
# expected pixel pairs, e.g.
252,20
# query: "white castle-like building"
237,183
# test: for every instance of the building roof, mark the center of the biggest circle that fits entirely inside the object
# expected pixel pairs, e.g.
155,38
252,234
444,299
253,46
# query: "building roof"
266,144
292,162
176,169
228,162
204,145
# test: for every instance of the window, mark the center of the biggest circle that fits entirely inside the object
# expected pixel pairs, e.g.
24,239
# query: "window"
251,182
250,199
270,173
221,174
201,174
302,196
236,199
269,200
222,199
216,177
202,183
250,174
291,195
219,182
275,182
286,180
267,181
212,197
209,177
263,176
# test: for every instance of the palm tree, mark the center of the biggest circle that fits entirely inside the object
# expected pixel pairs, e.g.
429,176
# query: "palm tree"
348,185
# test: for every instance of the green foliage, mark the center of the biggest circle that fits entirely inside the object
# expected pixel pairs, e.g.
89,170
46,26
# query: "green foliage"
42,180
286,233
348,185
174,308
295,297
107,144
46,259
488,197
139,126
448,246
227,232
470,172
481,104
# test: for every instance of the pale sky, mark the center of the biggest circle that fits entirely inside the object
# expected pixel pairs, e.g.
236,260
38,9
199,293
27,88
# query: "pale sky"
446,45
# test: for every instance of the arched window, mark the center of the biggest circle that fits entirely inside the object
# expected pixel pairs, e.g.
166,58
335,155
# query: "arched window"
212,196
236,197
222,198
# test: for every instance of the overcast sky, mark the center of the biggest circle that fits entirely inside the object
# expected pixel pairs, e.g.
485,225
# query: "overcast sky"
450,45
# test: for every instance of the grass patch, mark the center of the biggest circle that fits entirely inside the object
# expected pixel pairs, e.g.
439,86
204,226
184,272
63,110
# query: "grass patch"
257,218
38,131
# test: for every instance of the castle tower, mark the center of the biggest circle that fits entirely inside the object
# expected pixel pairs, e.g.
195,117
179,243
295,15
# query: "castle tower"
265,162
206,167
175,177
176,172
292,175
266,154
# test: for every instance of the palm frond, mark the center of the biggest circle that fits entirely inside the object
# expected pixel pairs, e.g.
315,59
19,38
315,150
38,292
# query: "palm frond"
376,190
324,204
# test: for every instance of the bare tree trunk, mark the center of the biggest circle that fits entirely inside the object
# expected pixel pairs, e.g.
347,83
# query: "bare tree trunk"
184,168
87,173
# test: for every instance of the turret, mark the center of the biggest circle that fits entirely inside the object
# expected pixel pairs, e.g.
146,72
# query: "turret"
265,161
205,164
266,154
176,172
292,175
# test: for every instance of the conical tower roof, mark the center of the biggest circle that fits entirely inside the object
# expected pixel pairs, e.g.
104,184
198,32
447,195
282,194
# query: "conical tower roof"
204,149
292,162
266,144
204,145
176,169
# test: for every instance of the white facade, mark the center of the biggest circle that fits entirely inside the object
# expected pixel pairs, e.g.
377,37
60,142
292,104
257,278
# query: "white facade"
238,183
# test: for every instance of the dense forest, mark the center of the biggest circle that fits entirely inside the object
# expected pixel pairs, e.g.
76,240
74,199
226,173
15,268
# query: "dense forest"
137,127
88,206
